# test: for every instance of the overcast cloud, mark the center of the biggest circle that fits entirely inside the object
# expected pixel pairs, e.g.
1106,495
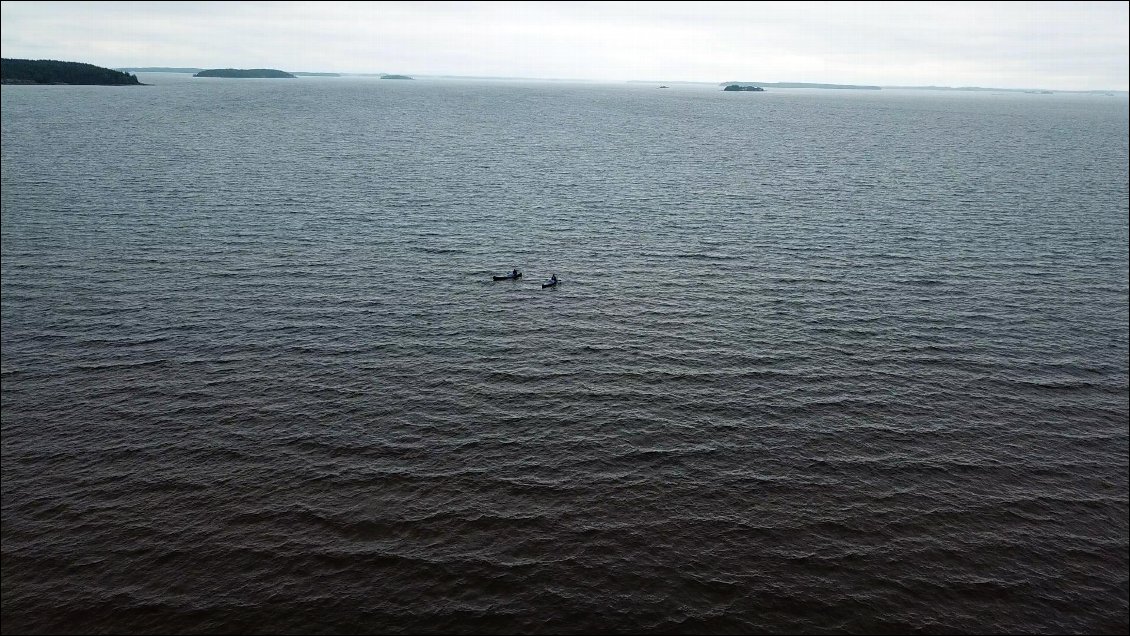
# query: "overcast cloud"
1057,45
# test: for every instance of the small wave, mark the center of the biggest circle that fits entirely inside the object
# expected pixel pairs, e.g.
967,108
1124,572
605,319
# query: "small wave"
702,256
443,250
922,282
101,366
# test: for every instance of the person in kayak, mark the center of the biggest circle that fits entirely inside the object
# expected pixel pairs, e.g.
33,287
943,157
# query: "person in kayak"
514,273
553,278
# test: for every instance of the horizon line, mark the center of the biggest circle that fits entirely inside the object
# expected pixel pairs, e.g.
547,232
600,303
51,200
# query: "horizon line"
699,82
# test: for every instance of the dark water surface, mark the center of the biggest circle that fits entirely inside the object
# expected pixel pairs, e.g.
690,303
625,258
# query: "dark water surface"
821,361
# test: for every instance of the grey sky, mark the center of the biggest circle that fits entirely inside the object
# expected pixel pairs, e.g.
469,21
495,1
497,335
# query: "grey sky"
1054,45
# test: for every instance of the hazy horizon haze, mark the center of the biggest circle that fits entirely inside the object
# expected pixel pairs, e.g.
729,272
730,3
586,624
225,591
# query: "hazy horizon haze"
1046,45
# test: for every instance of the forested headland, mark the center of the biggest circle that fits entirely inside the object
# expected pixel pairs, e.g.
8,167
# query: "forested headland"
17,71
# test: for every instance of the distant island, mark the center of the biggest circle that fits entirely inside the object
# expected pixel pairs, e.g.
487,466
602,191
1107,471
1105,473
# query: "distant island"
244,73
180,69
160,69
387,76
804,85
1038,91
983,89
16,71
739,87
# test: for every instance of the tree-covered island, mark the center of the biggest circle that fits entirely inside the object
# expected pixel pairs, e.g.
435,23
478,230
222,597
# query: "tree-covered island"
803,85
244,73
17,71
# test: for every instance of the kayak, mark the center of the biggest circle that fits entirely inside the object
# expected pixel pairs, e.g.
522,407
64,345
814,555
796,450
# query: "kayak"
550,283
509,277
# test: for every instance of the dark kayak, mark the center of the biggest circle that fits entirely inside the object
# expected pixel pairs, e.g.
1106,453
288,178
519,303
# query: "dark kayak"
509,277
550,283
